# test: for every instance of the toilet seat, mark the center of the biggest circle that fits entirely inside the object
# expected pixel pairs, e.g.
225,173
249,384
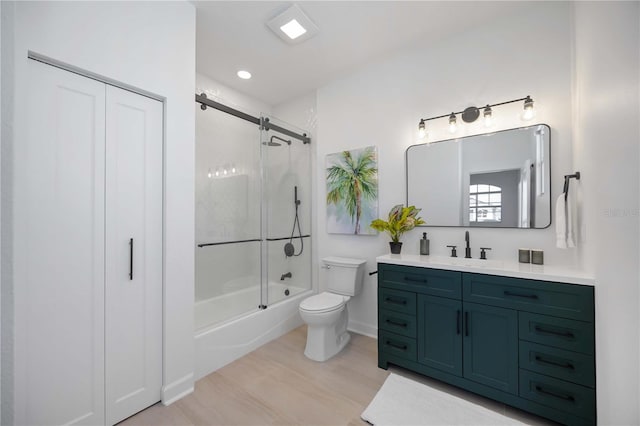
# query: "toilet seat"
323,302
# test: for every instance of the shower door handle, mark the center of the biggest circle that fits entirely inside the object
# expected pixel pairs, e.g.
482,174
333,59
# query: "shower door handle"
131,259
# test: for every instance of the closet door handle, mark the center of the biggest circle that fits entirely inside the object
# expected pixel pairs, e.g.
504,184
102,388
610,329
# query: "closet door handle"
458,322
131,259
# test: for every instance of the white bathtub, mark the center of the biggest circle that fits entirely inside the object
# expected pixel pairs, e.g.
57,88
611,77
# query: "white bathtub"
229,339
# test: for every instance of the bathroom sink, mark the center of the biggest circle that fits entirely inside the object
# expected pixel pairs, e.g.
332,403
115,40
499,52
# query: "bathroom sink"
461,261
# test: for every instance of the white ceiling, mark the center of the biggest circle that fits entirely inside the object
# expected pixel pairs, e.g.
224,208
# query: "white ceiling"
232,35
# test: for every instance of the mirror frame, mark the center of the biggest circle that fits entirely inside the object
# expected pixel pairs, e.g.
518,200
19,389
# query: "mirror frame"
551,200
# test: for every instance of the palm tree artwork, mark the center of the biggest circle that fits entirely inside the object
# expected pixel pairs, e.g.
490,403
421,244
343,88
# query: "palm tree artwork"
352,191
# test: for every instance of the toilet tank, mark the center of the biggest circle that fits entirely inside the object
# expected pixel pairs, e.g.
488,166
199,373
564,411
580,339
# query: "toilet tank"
345,275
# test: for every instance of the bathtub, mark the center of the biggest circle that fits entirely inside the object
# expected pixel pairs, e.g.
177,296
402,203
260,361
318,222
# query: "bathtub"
229,339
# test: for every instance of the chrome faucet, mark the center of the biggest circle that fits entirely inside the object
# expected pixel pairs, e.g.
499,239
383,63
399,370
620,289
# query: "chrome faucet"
287,275
467,250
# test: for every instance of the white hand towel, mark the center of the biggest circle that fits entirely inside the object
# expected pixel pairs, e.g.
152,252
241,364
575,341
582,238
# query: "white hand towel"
561,223
564,223
569,214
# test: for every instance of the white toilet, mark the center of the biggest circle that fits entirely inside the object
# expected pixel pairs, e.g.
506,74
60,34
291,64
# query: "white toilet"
326,313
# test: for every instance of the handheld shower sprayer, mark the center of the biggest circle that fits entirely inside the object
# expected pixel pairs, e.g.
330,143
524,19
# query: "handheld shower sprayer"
289,250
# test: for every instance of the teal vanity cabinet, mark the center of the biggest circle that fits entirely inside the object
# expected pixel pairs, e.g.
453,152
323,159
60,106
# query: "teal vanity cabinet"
527,343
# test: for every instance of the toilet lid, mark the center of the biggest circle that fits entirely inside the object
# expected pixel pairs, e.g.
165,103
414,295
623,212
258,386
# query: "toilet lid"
323,302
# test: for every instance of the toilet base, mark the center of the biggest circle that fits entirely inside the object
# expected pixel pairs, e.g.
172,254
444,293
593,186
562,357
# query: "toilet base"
324,342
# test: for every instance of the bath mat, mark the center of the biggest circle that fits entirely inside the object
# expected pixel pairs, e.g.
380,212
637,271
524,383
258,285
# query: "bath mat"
403,402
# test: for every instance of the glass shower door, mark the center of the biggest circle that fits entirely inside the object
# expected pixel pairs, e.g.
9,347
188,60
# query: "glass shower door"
228,220
286,165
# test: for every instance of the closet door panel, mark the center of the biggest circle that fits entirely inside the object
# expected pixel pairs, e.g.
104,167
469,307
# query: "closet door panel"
59,251
134,253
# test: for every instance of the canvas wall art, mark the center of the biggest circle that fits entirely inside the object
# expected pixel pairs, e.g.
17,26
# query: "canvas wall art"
352,191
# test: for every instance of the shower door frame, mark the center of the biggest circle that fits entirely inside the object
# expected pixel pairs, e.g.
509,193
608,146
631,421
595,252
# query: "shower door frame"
264,124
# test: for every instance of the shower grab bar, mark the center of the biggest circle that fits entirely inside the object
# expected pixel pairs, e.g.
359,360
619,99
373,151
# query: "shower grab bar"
228,242
250,241
288,238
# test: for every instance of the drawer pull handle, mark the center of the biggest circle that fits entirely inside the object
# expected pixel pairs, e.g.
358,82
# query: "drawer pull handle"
395,301
566,334
540,389
566,365
398,324
393,345
413,280
525,296
458,322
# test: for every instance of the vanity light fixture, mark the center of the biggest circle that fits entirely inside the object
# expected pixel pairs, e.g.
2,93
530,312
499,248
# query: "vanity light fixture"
472,113
528,109
488,116
422,130
452,123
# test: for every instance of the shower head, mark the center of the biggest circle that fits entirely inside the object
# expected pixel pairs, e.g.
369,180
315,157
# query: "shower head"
272,143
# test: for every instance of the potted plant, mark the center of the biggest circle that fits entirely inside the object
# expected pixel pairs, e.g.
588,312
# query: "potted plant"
401,219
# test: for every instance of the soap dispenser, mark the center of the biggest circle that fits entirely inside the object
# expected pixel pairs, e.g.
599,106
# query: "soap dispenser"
424,244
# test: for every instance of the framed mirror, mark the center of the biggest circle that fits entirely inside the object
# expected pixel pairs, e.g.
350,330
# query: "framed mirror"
496,180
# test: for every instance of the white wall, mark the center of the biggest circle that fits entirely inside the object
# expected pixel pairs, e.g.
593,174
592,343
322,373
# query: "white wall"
382,104
150,46
607,140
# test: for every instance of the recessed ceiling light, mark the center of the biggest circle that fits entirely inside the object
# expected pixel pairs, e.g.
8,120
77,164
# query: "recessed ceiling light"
245,75
293,26
293,29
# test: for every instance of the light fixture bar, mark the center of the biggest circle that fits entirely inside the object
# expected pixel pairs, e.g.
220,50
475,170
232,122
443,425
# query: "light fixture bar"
527,100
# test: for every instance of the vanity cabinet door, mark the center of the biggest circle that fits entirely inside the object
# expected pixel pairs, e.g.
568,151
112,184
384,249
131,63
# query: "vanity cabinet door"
490,346
440,333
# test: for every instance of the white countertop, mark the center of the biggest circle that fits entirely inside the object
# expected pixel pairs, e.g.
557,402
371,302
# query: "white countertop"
492,267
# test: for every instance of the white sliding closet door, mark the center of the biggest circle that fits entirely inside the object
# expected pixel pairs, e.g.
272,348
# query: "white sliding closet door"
134,253
59,251
88,244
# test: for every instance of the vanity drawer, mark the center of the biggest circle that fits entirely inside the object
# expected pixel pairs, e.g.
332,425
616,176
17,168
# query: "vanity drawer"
562,333
397,301
435,282
396,345
565,396
566,365
397,322
561,300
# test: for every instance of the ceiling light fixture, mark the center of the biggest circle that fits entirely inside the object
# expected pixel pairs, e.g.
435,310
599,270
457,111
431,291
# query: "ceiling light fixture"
472,113
293,29
293,26
245,75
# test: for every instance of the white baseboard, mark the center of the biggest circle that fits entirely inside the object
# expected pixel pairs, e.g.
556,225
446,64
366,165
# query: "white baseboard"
178,389
362,328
